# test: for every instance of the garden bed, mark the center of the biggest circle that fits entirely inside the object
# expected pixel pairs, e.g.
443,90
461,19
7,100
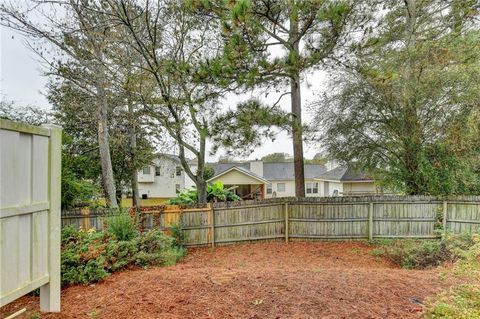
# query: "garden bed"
261,280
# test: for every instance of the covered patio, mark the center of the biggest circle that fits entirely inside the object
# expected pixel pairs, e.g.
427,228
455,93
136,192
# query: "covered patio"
242,182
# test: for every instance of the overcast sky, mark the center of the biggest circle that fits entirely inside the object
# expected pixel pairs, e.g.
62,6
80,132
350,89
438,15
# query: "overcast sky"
21,80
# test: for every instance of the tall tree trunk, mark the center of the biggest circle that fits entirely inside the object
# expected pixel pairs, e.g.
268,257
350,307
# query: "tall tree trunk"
133,156
200,180
296,101
201,189
104,147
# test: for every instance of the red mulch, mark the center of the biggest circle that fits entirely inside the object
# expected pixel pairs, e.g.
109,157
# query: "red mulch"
262,280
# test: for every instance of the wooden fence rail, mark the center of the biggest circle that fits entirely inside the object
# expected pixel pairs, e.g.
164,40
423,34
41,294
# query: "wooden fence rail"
328,218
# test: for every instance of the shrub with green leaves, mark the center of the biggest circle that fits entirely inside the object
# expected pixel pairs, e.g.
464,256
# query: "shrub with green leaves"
89,256
216,192
177,234
120,224
412,253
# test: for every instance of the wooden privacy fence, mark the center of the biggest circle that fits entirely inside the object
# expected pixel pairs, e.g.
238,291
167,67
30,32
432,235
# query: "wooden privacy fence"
318,218
30,212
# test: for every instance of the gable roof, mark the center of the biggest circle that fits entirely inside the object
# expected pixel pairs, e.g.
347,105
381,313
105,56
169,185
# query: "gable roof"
275,171
241,170
345,173
286,171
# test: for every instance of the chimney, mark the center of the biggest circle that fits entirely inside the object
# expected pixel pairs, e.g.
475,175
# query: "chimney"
256,167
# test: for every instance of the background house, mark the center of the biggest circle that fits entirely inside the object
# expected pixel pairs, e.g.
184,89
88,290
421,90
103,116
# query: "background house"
345,180
255,179
241,180
164,178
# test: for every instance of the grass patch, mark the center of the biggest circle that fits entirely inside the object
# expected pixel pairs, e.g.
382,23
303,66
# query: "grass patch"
462,301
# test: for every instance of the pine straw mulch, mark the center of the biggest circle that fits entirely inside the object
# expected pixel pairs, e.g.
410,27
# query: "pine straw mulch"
260,280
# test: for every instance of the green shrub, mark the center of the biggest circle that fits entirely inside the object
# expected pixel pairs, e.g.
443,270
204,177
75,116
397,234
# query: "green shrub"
462,301
176,232
120,224
420,254
154,248
91,256
82,256
216,192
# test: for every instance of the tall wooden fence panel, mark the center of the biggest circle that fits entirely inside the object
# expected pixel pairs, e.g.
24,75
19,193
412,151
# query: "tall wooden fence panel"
30,212
463,216
244,221
334,220
405,219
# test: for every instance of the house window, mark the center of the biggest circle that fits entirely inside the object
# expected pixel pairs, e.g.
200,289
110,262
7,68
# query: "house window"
177,188
269,188
146,170
312,188
281,187
326,188
178,171
157,171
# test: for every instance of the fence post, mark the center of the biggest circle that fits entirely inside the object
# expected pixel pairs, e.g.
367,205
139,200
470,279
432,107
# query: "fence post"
50,292
370,221
85,211
444,221
212,223
286,221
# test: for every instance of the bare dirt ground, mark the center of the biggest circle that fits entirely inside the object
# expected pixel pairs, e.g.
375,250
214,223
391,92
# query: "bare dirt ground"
261,280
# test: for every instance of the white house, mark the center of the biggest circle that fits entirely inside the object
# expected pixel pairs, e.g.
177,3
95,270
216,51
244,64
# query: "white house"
164,178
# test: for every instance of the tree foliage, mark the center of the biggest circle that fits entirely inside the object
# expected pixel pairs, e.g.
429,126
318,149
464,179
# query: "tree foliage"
276,158
408,109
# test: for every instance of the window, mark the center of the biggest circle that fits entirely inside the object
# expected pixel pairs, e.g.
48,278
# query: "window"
157,171
281,187
177,188
312,188
178,171
269,188
146,170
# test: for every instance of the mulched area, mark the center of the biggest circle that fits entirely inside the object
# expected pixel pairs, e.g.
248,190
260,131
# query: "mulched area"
259,280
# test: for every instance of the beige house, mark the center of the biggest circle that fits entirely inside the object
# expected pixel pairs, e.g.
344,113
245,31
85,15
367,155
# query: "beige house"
243,182
345,180
257,179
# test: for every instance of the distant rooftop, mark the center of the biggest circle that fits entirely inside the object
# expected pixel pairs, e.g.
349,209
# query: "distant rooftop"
345,173
276,171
